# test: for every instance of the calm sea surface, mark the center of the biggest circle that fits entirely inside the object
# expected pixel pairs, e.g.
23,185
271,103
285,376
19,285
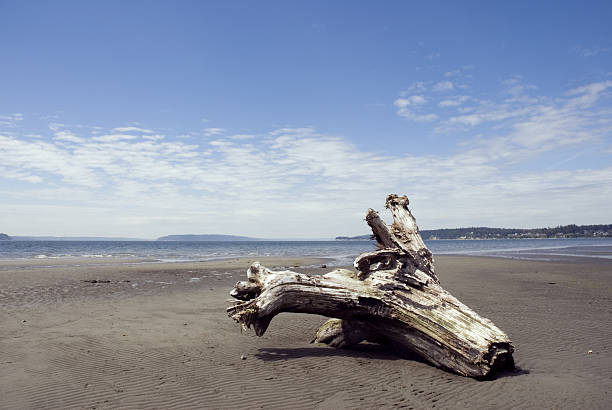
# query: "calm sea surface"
342,252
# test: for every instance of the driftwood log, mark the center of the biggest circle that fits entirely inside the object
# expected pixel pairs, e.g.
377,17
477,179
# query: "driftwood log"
394,296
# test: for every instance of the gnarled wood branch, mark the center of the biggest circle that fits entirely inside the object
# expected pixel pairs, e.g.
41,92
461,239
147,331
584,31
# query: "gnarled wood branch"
394,296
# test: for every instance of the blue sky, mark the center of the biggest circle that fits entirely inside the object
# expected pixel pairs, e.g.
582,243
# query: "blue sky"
289,119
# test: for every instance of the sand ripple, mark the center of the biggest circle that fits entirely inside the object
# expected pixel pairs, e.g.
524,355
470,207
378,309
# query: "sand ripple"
174,348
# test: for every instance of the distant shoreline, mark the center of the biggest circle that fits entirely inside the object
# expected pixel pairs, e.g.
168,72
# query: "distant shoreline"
487,239
469,233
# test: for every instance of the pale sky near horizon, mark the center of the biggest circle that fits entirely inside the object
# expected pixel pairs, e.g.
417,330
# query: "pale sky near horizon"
289,119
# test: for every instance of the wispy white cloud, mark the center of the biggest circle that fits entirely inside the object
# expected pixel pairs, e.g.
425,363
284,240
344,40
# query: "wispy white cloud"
34,157
415,88
419,101
11,120
67,136
454,101
132,129
408,108
241,136
410,101
487,112
154,137
452,73
443,86
585,96
115,137
521,122
293,174
591,51
209,132
516,87
55,126
18,175
525,128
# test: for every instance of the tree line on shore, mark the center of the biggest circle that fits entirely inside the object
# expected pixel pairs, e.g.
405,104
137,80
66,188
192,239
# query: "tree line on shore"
566,231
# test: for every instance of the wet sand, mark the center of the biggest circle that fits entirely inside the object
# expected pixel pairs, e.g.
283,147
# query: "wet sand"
146,335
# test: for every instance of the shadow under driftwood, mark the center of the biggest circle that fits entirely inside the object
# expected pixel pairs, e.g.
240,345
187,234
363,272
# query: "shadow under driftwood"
373,351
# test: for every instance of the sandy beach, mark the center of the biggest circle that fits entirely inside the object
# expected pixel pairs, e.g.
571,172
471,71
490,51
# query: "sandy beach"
156,335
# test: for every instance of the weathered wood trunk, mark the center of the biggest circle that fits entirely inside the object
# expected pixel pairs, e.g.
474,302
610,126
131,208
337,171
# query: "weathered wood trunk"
394,296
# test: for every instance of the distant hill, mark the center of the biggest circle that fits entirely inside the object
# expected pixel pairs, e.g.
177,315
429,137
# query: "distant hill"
4,237
206,237
566,231
353,238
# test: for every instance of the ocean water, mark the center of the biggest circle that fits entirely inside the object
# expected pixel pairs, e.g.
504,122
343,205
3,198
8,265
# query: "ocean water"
342,252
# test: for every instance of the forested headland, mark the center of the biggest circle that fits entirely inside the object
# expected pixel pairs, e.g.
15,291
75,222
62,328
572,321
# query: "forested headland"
566,231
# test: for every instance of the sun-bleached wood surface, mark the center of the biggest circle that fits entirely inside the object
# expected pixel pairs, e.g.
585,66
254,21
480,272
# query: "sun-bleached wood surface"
394,297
